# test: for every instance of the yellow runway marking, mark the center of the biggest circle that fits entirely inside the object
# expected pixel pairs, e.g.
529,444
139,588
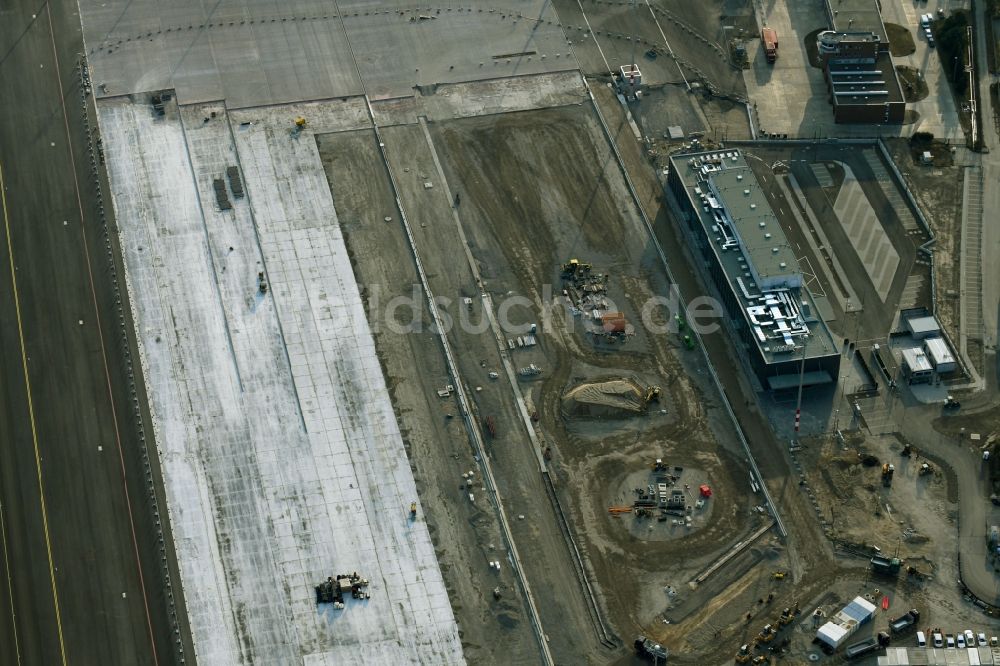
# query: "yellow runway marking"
31,417
10,589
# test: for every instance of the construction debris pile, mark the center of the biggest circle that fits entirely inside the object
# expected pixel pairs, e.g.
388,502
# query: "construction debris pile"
611,398
661,499
333,591
587,294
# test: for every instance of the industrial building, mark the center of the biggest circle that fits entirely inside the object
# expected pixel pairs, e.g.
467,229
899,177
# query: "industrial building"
917,368
940,355
757,274
843,625
857,65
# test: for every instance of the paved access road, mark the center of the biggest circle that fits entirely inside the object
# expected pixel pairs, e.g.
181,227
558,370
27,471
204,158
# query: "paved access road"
80,574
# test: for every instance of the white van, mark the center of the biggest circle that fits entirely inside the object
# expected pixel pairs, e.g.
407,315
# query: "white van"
921,639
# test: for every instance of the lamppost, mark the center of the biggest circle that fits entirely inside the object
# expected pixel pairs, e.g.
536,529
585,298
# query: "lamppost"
802,374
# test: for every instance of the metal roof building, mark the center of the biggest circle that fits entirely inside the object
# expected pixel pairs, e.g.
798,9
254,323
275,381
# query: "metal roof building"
754,269
940,355
846,622
923,327
916,366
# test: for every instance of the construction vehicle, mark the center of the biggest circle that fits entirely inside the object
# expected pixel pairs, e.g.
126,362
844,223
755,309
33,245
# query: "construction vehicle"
905,622
744,655
888,470
660,466
652,395
413,510
778,575
333,591
760,659
298,126
925,469
951,404
650,650
530,371
786,617
770,40
767,634
886,565
573,267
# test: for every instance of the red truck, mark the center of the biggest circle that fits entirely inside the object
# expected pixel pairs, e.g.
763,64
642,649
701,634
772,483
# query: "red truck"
770,39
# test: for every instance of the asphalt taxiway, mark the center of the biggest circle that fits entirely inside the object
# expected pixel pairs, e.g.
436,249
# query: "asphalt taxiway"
81,571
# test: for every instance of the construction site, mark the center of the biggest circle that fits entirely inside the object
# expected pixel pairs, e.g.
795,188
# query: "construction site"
529,333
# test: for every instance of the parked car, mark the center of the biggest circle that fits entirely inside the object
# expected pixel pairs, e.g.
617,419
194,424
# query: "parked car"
921,639
959,641
970,639
938,639
949,641
982,639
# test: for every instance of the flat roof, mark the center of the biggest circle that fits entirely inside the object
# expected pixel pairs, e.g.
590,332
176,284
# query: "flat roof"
855,16
864,83
751,247
939,351
927,324
916,360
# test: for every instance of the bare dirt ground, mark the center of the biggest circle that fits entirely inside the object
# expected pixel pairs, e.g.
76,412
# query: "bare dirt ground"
465,534
538,188
915,518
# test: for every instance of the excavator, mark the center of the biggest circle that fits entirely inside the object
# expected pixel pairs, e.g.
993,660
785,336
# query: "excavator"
652,395
744,655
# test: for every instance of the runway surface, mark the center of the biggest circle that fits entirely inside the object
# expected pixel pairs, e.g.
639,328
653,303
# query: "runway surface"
81,579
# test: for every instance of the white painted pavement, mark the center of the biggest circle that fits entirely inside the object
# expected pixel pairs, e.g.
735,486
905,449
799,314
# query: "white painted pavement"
281,456
866,234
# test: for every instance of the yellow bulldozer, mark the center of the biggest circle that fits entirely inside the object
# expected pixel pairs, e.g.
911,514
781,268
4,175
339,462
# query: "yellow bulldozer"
573,268
744,655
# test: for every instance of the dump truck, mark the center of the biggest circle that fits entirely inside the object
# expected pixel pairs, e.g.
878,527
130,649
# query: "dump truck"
904,623
886,565
770,39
